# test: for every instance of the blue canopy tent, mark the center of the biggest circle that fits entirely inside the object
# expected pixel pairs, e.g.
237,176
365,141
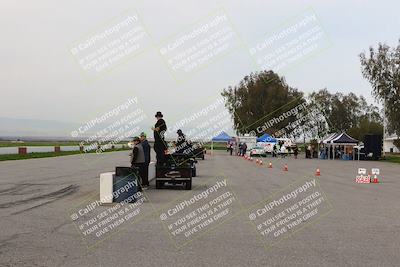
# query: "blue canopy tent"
266,138
222,137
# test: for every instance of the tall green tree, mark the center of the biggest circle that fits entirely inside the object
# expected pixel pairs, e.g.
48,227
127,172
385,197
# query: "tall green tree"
382,69
320,104
343,112
259,98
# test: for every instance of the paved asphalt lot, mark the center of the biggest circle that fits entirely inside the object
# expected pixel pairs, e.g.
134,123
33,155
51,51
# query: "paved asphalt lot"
362,228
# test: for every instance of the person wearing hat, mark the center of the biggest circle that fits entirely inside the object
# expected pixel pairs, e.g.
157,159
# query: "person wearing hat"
159,130
146,149
138,159
180,142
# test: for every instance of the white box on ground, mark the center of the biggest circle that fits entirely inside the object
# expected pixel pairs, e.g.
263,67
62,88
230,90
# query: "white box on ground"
375,171
106,187
362,171
152,171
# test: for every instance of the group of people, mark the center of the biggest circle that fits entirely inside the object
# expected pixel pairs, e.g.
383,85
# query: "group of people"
242,149
277,149
140,156
311,152
283,151
339,152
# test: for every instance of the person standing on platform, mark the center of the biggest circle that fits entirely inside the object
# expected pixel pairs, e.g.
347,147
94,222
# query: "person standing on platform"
159,130
146,150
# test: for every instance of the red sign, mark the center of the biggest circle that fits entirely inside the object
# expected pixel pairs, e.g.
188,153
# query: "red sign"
362,179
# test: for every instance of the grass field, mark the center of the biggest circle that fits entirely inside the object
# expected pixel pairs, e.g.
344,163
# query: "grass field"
41,143
49,154
394,158
38,143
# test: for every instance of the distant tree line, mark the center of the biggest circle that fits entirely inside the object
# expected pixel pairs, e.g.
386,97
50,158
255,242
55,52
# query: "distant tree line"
262,97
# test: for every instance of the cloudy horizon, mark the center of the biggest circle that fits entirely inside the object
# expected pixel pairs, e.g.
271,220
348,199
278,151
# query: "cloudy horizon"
43,78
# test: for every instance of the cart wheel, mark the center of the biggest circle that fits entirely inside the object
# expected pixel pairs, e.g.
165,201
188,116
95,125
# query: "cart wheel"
188,185
159,184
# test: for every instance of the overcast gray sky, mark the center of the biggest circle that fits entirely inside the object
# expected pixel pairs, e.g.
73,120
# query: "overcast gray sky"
41,79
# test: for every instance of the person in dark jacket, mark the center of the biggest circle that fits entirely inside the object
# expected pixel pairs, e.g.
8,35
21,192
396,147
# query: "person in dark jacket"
295,151
146,150
159,130
244,149
231,148
138,159
180,142
274,151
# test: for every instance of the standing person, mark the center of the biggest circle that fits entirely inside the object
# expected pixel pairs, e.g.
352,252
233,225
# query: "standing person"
137,159
180,142
295,151
308,152
244,148
146,151
230,148
159,143
283,151
183,145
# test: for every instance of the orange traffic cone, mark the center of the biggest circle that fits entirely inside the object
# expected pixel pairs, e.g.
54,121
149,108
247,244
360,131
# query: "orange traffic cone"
318,172
285,168
270,165
256,161
260,162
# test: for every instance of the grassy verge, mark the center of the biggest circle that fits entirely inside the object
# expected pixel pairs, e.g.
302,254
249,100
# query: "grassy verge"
12,144
41,143
36,155
393,158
